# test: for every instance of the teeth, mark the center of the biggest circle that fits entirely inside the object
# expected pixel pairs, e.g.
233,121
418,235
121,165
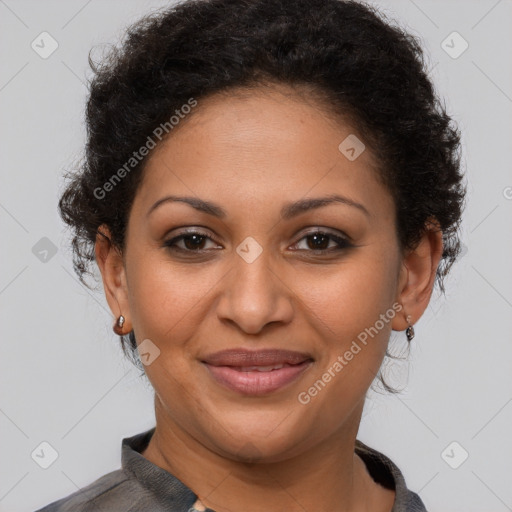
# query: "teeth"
261,368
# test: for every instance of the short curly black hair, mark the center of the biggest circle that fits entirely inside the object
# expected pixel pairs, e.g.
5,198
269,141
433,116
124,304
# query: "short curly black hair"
348,56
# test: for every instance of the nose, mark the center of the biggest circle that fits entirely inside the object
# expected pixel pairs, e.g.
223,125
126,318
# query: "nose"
255,294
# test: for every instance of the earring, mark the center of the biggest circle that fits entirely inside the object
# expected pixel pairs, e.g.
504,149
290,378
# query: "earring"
410,330
118,326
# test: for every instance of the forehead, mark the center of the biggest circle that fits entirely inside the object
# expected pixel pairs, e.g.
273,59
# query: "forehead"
268,143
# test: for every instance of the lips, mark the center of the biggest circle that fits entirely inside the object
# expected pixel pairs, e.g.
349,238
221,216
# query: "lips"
256,372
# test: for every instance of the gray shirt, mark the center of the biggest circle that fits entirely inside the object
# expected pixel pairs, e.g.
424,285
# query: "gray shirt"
143,486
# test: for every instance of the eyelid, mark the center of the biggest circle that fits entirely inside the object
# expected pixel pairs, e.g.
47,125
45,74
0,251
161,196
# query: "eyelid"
191,231
313,229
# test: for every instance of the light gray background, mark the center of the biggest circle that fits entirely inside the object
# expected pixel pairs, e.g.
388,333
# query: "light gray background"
63,377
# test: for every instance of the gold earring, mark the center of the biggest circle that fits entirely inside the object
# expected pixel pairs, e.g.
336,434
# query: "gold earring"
118,326
410,330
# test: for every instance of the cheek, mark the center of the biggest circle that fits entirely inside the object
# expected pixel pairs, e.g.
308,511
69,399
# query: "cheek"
351,299
166,299
166,303
352,311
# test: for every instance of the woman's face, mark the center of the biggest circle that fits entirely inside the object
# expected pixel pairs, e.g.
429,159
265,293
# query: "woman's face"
256,280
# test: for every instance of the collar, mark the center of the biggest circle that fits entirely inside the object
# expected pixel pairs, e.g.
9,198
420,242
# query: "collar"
171,491
174,492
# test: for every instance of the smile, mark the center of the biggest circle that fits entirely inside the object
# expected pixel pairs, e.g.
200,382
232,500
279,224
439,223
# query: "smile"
256,373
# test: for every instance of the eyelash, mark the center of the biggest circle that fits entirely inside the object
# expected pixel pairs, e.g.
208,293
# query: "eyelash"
343,243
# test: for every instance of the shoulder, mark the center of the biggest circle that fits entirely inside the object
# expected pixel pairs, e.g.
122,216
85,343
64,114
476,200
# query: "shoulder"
112,491
138,485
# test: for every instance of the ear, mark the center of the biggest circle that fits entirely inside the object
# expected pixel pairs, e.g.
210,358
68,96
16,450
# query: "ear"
417,276
110,262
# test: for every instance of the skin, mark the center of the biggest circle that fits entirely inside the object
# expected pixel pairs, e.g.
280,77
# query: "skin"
251,153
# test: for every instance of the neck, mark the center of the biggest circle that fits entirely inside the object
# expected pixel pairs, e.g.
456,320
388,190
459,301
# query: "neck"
329,476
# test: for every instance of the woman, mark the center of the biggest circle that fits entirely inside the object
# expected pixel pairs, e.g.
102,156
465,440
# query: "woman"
269,188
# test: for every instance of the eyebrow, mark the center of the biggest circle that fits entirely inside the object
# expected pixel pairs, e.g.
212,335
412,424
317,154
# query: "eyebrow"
288,211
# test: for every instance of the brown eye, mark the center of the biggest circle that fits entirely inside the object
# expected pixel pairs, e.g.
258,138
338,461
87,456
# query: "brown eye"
318,241
322,242
192,241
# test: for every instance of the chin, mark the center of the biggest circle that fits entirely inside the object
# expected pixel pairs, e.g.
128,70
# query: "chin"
257,439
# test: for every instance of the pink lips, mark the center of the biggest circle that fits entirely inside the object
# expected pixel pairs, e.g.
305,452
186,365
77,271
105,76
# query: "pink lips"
256,372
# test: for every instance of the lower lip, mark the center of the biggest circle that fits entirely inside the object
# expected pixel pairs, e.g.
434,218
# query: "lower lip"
257,383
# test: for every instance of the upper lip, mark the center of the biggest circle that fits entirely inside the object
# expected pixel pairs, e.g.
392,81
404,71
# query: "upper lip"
240,357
